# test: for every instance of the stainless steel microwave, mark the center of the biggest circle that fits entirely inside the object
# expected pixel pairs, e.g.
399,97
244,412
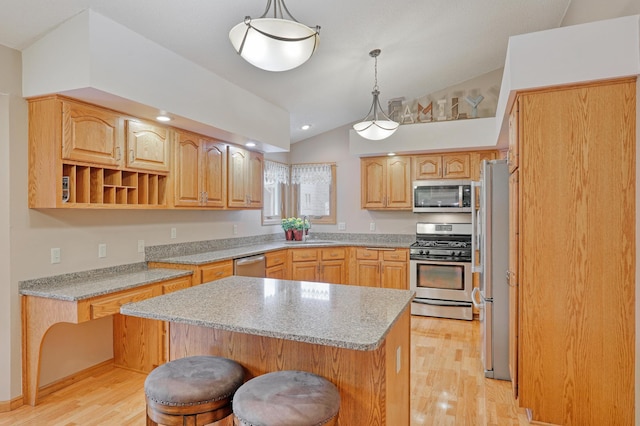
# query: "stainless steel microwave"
446,196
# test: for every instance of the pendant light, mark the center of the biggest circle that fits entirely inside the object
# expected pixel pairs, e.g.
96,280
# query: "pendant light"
372,127
274,43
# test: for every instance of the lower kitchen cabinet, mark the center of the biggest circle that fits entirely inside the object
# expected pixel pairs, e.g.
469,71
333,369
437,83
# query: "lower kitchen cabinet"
277,265
321,265
201,273
381,267
141,344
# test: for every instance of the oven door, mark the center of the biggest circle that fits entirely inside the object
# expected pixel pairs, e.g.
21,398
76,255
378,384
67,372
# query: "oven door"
442,280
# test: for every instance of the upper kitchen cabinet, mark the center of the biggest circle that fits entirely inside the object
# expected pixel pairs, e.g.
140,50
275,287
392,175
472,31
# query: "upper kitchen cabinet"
200,173
573,231
76,159
386,183
147,146
245,178
91,134
476,161
442,166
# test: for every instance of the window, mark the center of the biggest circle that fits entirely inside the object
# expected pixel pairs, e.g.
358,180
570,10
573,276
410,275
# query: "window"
276,184
314,192
299,190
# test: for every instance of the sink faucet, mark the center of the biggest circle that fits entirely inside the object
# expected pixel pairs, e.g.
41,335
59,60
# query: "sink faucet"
305,219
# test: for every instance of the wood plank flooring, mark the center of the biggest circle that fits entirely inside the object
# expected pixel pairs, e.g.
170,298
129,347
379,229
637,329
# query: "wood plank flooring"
448,387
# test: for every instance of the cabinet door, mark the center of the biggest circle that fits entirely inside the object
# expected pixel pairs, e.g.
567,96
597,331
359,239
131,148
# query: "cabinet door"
368,273
147,146
305,271
394,275
238,162
91,134
398,183
333,271
213,166
187,175
456,166
278,272
373,173
476,161
427,167
255,179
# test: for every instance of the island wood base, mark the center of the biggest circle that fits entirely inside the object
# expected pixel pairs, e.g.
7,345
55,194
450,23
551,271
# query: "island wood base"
372,390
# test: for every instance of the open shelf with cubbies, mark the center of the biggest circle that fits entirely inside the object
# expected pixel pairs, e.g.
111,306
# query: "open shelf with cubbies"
95,186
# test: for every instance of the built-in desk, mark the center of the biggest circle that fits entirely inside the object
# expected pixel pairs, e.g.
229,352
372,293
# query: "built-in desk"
47,302
357,337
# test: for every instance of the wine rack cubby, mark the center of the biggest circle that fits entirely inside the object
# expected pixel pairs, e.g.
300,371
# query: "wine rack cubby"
94,186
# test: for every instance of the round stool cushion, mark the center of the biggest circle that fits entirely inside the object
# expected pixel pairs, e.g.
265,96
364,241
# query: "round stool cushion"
193,380
286,398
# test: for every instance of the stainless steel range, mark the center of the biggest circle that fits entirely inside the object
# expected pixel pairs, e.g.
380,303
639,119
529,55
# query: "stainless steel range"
441,276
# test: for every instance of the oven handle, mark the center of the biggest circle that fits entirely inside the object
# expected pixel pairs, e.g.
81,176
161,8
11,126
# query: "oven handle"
474,228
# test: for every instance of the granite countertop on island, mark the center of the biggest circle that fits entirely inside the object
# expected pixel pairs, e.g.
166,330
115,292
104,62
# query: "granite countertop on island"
337,315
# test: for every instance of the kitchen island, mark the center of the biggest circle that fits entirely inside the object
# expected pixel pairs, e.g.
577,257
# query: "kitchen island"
356,337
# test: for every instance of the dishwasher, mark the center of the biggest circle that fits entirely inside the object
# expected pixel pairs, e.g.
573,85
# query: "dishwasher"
250,266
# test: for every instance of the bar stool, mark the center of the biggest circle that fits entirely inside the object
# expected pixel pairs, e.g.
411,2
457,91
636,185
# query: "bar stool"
195,390
286,398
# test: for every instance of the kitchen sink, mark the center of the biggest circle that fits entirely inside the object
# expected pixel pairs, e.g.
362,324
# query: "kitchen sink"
310,242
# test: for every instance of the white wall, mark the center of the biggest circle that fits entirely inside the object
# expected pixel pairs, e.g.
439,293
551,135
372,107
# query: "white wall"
32,233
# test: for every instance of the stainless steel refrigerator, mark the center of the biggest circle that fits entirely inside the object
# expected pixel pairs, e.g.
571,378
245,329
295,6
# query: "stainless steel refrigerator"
491,239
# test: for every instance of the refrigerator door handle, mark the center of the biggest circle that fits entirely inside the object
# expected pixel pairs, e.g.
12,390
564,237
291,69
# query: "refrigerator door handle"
476,298
475,223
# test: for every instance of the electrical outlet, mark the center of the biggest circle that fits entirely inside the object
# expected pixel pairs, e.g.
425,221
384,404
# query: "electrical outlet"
140,246
235,229
342,226
102,250
174,233
372,226
55,255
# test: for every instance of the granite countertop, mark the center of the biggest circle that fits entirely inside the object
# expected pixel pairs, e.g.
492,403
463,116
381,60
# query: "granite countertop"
74,287
337,315
249,250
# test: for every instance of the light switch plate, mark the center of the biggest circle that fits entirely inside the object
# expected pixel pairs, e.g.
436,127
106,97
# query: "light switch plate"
102,250
372,226
140,246
342,226
173,233
235,229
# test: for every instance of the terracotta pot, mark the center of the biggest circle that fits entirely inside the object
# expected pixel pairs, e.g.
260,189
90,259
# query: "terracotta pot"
288,234
297,234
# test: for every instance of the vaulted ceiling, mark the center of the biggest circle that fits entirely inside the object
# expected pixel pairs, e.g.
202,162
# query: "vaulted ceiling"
427,45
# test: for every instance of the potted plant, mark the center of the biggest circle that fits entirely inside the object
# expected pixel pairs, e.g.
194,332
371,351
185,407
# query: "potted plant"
298,228
287,226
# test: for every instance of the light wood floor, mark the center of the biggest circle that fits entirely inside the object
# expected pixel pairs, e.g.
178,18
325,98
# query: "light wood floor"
448,387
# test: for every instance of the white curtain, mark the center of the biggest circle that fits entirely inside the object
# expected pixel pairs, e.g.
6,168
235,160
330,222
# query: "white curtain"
311,174
275,173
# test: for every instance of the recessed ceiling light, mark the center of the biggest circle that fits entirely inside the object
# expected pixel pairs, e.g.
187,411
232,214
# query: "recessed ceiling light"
306,127
250,144
163,118
391,154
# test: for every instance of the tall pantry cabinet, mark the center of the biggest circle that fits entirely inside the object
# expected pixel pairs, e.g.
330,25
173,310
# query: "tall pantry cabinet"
572,253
